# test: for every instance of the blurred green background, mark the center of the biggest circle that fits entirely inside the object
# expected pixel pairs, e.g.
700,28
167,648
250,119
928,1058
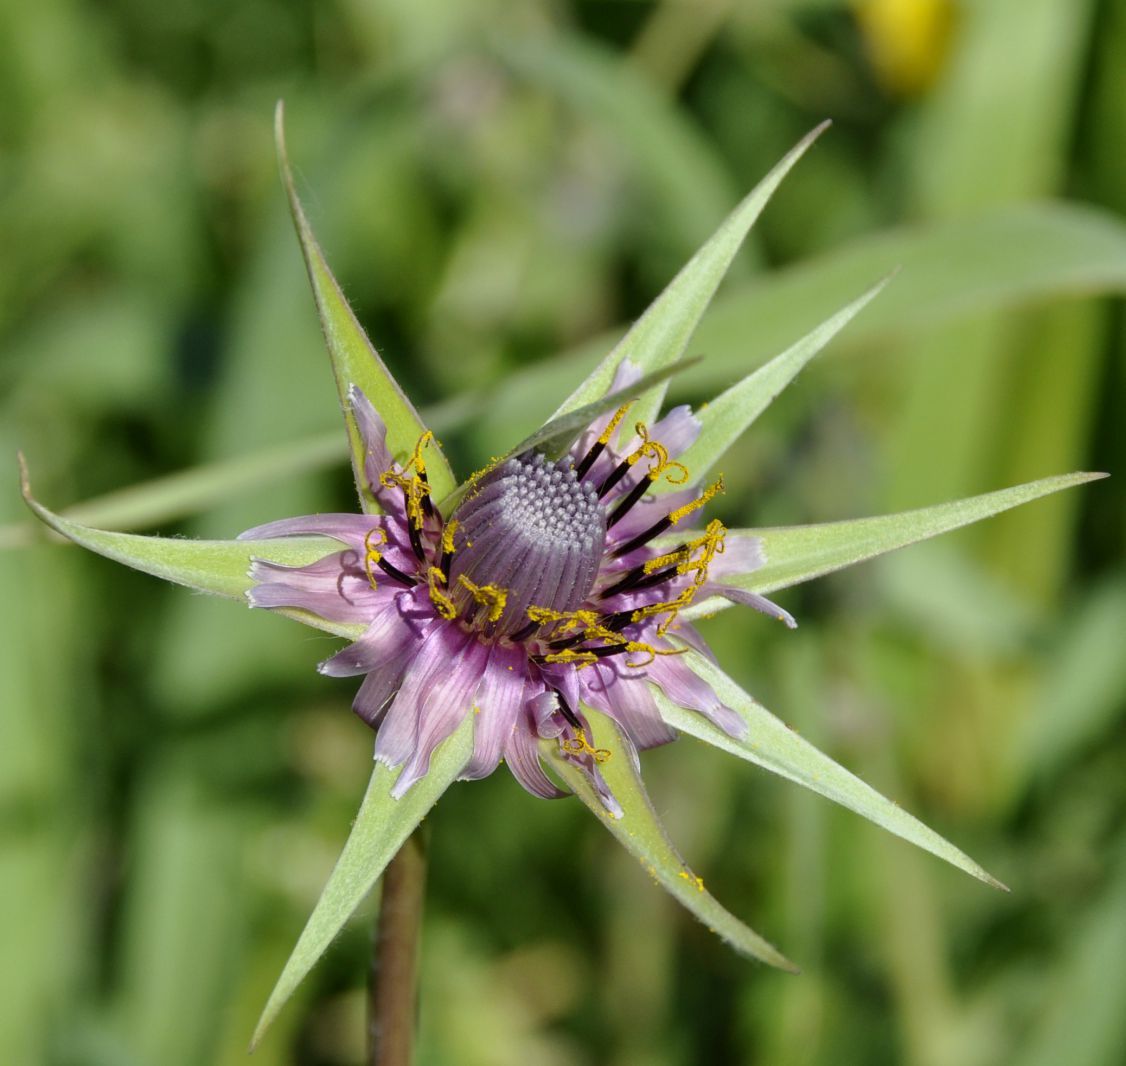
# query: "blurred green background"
497,183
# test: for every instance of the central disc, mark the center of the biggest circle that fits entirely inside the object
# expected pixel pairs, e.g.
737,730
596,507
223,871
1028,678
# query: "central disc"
534,531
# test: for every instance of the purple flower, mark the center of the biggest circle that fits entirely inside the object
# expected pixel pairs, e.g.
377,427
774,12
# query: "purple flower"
540,592
548,599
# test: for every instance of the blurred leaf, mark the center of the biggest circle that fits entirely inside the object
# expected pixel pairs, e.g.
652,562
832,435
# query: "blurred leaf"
662,333
1081,1021
726,418
947,271
1081,693
180,921
354,360
773,745
641,833
955,602
175,496
380,829
800,553
676,167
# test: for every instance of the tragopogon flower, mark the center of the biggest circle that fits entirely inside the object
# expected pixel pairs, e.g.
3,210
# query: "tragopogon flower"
541,612
540,594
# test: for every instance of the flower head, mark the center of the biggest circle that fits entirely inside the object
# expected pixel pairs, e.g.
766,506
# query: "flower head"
539,594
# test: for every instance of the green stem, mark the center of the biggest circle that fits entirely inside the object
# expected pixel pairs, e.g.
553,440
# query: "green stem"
392,999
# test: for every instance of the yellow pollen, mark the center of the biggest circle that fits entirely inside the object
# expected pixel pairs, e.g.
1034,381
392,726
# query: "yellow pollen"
682,512
708,546
448,536
676,473
474,479
372,554
590,625
490,596
579,745
693,879
619,414
415,487
441,600
569,655
569,621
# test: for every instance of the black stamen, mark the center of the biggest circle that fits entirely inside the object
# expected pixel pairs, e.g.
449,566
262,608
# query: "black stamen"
618,473
393,571
641,539
416,541
427,504
618,620
625,582
606,650
624,507
583,468
566,711
638,578
658,577
524,633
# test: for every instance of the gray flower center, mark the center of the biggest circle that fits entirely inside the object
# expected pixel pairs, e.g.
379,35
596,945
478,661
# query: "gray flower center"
533,531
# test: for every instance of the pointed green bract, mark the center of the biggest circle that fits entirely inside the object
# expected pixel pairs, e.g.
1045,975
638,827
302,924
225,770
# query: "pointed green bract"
661,334
800,553
641,833
216,566
773,745
727,417
380,829
354,359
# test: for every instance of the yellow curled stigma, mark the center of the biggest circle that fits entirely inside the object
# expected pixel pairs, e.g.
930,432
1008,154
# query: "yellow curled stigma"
635,646
415,487
417,460
490,596
372,554
708,547
711,491
675,473
443,604
579,745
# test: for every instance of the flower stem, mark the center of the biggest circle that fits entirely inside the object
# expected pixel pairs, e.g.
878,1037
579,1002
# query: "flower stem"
393,977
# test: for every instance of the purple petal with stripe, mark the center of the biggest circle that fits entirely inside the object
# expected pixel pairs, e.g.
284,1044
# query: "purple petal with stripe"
335,588
387,637
350,529
749,599
498,707
377,459
522,754
436,694
623,695
681,685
